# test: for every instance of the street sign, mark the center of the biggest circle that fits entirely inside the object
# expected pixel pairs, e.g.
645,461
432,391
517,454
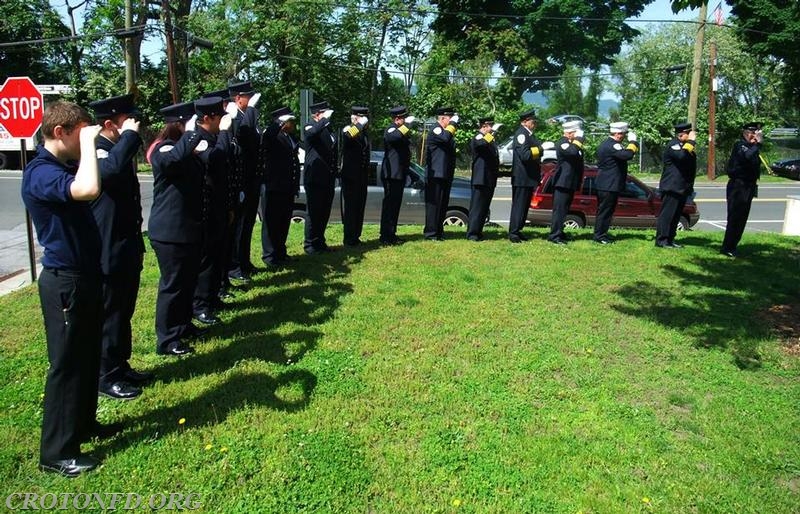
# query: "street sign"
21,107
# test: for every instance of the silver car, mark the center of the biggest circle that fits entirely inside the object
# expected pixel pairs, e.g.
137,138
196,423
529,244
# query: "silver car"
412,211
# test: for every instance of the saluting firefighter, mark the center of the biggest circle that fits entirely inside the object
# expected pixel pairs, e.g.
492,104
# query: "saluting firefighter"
248,137
676,184
612,174
118,214
281,185
356,148
744,170
176,226
213,127
440,167
525,174
485,166
568,178
394,171
319,176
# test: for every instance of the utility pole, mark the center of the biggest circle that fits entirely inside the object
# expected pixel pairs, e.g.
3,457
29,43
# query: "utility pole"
696,68
711,171
130,72
173,77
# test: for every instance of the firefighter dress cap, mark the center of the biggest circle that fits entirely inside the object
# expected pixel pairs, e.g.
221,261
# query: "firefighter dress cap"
571,126
359,111
619,127
319,107
398,112
528,115
683,127
445,111
211,106
241,88
752,126
283,111
112,106
178,112
222,93
484,121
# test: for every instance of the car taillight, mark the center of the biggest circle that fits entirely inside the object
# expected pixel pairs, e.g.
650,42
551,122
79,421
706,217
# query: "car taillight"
536,201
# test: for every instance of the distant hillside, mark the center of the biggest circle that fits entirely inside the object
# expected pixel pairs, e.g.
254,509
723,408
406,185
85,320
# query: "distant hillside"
604,106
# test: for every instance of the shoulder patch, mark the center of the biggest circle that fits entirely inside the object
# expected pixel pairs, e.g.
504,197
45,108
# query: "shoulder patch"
102,154
564,146
479,137
391,130
308,127
202,146
617,146
521,139
166,148
437,130
676,147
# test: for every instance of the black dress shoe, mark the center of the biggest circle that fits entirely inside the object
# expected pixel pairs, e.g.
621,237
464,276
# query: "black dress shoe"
195,332
138,377
225,295
104,430
69,468
207,318
604,241
558,241
176,349
664,245
729,253
675,245
240,277
515,240
120,390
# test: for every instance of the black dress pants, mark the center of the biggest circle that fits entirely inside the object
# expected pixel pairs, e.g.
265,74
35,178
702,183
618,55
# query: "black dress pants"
320,202
437,199
354,200
209,274
479,204
278,207
667,224
562,199
390,208
179,264
120,290
240,259
606,204
520,203
72,307
740,197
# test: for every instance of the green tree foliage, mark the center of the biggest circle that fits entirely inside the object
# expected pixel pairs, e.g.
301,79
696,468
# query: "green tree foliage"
45,63
534,41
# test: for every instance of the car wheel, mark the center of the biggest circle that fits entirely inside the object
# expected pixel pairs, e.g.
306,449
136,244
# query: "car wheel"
455,219
298,216
683,223
574,221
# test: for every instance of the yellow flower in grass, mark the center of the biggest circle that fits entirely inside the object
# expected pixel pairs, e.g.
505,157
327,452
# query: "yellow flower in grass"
182,421
223,449
456,502
646,500
208,446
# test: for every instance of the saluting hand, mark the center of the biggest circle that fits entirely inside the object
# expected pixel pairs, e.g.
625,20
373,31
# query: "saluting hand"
130,124
225,122
191,124
693,135
88,135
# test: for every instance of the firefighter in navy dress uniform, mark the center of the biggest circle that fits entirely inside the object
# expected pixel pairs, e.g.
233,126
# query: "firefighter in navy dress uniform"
440,166
319,176
612,174
175,226
485,166
525,174
744,170
394,171
213,125
281,185
676,184
568,178
118,214
356,150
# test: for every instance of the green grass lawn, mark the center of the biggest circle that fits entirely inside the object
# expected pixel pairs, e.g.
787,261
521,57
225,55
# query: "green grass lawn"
456,377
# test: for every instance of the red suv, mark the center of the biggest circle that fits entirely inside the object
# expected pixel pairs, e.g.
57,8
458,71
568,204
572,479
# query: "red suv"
638,205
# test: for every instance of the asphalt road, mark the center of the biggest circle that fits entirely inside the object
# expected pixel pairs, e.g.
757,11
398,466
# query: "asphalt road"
767,213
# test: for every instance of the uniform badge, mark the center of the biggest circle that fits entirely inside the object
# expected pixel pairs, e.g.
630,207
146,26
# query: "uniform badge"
479,137
102,154
166,148
676,147
391,130
521,139
437,130
617,146
564,146
308,127
202,146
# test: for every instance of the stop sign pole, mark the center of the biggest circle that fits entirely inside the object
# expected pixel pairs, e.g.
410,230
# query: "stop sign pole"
21,111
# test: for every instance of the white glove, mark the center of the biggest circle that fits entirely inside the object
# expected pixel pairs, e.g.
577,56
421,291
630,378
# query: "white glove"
130,124
362,120
496,127
191,124
454,118
88,135
759,136
254,100
409,120
632,137
327,114
225,122
579,133
231,108
548,145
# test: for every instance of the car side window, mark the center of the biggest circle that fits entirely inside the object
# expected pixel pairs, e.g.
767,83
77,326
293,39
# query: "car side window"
548,186
632,190
588,186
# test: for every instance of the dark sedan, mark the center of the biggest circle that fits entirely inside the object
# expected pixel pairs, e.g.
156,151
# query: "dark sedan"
638,205
412,211
789,168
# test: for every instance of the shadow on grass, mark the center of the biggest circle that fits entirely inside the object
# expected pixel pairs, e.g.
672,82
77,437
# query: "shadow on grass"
718,300
289,391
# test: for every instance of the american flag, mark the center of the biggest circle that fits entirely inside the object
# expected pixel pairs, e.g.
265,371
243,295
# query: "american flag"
718,14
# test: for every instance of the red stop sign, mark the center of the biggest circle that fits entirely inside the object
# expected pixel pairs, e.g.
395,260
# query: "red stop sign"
21,107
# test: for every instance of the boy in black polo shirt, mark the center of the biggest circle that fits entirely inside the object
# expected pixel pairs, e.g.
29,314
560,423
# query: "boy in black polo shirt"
57,186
